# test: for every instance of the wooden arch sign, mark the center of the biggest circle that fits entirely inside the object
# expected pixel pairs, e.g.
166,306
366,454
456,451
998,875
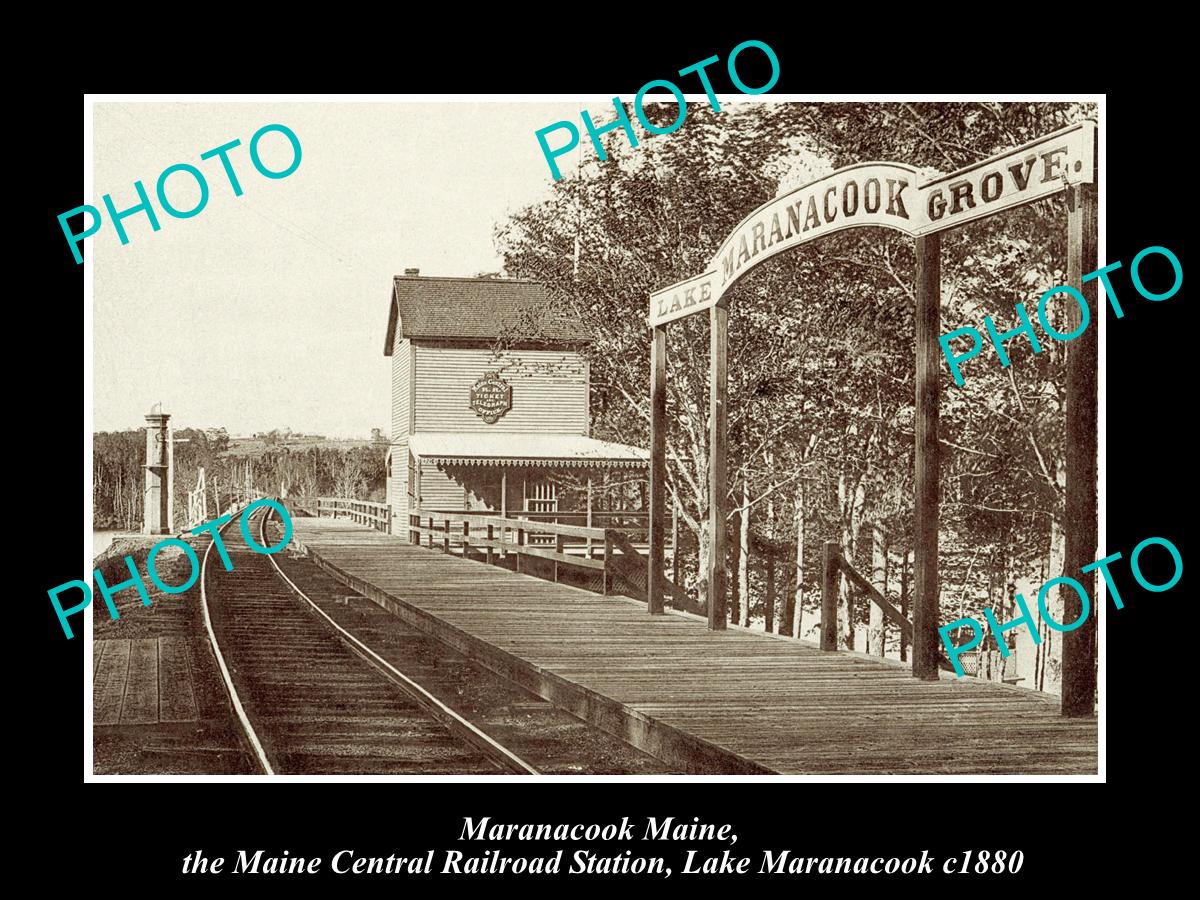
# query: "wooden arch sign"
921,205
886,195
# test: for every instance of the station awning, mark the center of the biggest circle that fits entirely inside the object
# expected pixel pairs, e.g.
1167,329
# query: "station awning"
499,449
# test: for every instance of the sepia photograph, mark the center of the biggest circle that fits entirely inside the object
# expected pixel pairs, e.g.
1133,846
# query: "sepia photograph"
551,436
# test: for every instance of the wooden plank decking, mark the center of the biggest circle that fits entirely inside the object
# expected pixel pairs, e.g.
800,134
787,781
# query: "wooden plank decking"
142,681
732,701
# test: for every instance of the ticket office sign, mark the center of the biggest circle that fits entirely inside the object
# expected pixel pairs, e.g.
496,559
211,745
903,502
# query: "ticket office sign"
491,397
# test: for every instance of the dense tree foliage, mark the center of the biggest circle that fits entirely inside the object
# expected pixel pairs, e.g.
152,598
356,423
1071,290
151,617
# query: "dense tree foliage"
821,344
305,471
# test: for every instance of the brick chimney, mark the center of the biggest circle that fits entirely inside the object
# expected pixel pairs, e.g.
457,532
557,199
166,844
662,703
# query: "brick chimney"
412,272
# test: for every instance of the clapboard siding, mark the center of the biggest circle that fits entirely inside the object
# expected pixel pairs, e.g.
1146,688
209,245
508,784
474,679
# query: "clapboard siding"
401,388
549,389
440,491
397,486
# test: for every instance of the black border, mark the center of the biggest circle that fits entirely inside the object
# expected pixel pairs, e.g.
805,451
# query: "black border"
142,831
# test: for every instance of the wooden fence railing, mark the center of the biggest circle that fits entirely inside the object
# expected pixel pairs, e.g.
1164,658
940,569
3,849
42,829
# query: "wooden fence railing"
833,563
361,512
495,540
571,545
635,524
627,564
197,501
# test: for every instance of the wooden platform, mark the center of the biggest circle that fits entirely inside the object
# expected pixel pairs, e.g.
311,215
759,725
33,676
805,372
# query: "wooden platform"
737,701
142,682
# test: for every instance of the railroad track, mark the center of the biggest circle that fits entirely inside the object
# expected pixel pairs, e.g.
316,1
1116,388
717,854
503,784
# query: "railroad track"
311,698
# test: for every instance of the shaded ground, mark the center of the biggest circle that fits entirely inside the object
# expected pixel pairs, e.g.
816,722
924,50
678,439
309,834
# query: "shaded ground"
139,741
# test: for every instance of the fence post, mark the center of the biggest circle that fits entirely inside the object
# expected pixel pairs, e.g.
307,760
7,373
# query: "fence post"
491,537
431,532
558,548
520,544
446,536
466,539
608,552
829,586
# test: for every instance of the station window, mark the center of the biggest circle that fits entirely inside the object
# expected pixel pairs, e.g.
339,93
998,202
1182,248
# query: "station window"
541,495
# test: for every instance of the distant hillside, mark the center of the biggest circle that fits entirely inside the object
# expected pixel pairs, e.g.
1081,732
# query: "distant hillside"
257,446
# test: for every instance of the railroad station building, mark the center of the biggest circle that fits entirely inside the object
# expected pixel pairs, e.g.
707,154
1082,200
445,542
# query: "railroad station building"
490,407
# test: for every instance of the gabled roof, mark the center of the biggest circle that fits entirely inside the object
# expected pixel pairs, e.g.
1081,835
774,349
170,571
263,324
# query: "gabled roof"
475,309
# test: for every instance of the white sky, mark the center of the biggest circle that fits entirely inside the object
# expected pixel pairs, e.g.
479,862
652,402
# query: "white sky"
269,310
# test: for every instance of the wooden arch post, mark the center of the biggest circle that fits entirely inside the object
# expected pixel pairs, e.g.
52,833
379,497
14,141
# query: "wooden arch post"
1079,646
718,445
928,315
658,469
